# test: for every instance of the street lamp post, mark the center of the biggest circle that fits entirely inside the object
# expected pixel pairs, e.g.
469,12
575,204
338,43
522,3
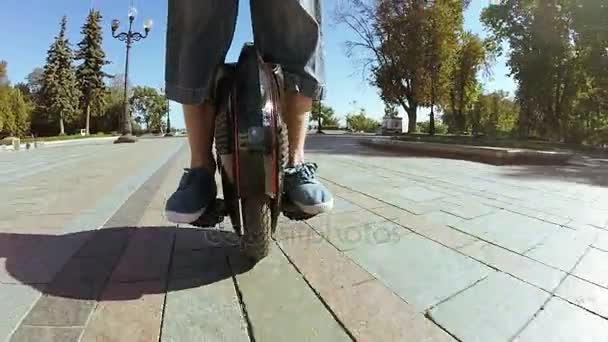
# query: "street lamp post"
129,37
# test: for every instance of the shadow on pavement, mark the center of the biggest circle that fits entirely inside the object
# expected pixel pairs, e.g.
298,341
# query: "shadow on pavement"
592,175
120,263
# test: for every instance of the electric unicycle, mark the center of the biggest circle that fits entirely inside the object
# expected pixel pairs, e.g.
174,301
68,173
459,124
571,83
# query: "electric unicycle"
251,150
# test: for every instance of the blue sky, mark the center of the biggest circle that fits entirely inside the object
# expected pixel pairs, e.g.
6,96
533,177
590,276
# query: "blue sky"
27,28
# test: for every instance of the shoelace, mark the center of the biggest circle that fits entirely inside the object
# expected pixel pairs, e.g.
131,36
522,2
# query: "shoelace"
305,173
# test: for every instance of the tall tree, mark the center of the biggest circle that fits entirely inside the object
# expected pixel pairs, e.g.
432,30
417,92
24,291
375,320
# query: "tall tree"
90,72
3,73
150,106
442,25
471,56
388,40
323,115
60,93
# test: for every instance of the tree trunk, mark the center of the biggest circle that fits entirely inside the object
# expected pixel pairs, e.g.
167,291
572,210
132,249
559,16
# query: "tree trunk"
411,119
319,129
88,119
61,126
432,121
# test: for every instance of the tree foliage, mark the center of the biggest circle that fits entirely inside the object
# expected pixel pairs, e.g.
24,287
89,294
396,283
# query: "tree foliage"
60,94
150,107
361,122
90,72
559,59
323,115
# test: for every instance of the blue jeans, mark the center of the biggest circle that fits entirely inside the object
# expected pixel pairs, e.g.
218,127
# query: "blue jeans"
200,32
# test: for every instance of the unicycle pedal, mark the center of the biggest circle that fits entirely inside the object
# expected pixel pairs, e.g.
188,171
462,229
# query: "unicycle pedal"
213,216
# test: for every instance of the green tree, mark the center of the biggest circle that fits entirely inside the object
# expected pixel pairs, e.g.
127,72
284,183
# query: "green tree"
150,106
441,28
389,36
493,113
470,57
59,93
323,115
360,122
14,112
90,72
390,110
3,73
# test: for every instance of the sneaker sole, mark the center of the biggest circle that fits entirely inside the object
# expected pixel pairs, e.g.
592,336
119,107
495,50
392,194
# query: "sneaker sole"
184,218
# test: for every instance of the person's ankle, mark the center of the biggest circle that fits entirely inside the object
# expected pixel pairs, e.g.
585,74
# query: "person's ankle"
207,164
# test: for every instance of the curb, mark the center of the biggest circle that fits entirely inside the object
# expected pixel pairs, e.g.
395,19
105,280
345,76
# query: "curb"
488,155
43,144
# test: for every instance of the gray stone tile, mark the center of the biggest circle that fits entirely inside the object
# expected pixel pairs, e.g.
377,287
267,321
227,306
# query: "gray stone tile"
531,271
440,233
343,206
442,218
564,248
492,310
391,212
386,232
420,194
513,231
594,267
327,222
46,334
467,209
15,301
419,270
286,301
590,296
563,322
602,240
211,310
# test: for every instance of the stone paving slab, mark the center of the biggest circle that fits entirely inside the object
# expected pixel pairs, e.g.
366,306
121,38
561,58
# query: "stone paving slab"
583,293
16,302
442,234
356,298
564,322
495,309
275,292
529,270
420,271
348,238
140,305
46,334
563,249
515,232
594,267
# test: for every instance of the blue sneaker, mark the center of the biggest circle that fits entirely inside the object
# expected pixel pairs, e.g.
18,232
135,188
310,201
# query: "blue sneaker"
196,191
304,193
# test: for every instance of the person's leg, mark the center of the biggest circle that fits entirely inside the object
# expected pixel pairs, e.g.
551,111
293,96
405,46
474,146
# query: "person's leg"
200,125
288,32
199,34
296,108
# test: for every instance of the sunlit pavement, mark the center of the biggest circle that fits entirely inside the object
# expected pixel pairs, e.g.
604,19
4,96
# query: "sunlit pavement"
417,249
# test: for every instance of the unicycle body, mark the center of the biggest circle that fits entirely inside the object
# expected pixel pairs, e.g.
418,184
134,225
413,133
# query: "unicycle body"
251,149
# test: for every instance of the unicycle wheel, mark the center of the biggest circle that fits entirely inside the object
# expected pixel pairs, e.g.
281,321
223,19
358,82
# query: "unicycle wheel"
257,217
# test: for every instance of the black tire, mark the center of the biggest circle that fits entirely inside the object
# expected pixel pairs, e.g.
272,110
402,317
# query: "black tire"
257,217
283,158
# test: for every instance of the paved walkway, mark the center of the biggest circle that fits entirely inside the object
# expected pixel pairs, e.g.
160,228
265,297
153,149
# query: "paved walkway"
416,250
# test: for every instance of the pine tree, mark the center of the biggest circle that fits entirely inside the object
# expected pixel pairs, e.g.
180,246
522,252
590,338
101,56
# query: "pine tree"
60,93
90,73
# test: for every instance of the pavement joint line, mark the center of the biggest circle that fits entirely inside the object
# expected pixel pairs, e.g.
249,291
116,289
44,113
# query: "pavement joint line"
458,292
167,280
242,304
428,316
553,295
318,295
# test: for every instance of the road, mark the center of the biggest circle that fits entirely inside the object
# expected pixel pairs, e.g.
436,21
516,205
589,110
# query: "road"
417,249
